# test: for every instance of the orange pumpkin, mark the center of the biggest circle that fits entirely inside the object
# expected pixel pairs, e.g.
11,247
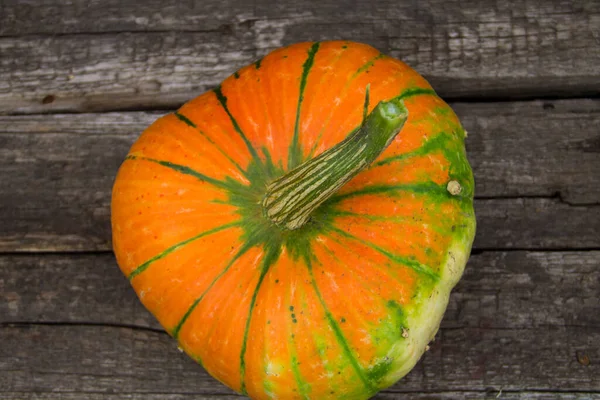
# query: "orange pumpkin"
298,229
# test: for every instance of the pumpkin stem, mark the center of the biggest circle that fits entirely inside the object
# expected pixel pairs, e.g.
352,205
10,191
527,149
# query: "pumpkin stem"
291,199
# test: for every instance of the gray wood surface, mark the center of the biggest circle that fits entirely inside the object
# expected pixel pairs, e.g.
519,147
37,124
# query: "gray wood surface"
489,394
536,164
31,17
521,148
103,358
96,55
516,322
80,79
499,290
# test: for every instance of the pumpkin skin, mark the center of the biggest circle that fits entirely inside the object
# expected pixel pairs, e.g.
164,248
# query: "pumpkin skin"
341,307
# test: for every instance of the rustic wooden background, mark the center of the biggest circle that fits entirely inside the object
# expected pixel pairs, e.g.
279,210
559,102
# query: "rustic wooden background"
80,79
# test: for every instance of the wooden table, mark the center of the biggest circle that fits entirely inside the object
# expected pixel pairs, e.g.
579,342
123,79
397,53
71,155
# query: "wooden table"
79,80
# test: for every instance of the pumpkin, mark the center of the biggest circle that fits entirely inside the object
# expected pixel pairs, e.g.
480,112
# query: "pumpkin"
298,229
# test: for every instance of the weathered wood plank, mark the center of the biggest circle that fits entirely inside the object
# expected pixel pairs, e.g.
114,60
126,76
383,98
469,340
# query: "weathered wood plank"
490,394
122,56
59,170
27,17
535,148
535,224
78,395
87,288
36,358
63,214
524,289
499,290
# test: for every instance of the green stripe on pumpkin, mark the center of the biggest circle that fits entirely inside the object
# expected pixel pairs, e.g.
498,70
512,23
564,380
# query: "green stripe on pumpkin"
334,256
359,71
270,258
185,170
303,387
414,265
295,152
190,123
143,267
390,332
223,100
185,119
416,91
392,218
365,106
367,65
177,329
438,142
339,335
429,188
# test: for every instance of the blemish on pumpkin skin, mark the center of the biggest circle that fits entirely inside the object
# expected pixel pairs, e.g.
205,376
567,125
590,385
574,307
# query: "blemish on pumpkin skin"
454,188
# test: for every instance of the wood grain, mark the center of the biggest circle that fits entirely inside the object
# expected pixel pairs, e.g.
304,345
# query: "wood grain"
31,17
535,166
72,328
57,215
515,322
489,394
94,56
499,290
536,148
101,359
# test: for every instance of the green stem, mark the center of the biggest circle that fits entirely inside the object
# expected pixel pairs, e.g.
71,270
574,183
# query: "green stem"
291,199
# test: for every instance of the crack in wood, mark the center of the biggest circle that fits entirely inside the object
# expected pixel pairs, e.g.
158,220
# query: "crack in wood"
26,324
555,196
